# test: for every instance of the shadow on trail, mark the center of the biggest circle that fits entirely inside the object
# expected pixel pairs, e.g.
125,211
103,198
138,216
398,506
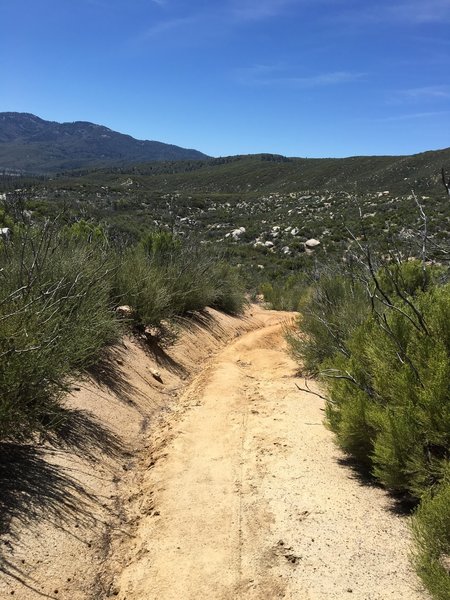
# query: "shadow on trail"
195,322
400,504
32,489
106,373
359,472
154,347
203,321
83,433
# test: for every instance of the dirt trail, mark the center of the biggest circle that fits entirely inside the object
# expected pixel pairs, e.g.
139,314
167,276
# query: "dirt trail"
225,488
246,496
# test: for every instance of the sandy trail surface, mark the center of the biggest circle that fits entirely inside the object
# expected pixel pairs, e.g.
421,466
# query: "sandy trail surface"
199,472
251,498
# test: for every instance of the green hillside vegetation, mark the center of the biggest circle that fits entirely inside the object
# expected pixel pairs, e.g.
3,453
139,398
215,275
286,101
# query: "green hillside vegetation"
281,203
275,173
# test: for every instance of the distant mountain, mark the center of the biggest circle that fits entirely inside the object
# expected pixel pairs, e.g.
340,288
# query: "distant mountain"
29,144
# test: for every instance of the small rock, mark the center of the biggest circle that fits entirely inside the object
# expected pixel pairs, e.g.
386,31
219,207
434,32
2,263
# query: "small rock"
124,310
113,590
444,561
156,374
152,332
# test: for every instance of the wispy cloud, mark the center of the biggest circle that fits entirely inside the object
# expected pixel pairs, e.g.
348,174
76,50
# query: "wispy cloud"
411,12
427,92
255,10
422,11
267,75
218,18
169,25
412,116
424,94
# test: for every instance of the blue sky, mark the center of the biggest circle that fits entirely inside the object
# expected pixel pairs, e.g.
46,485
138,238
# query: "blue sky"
295,77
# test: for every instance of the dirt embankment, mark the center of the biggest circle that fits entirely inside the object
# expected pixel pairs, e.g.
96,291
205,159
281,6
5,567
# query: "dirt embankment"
228,488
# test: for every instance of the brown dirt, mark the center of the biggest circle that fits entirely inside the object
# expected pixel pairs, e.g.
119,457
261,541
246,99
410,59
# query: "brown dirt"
228,488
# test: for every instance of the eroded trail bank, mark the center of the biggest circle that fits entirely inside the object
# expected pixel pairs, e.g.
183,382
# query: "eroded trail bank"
227,487
66,505
251,499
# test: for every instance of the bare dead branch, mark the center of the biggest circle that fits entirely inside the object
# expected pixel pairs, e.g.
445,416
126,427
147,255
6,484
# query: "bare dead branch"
308,390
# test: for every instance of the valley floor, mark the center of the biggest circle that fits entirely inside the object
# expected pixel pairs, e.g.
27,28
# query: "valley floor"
236,492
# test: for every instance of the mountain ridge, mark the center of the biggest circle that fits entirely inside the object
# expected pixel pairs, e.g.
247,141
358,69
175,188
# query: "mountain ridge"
31,145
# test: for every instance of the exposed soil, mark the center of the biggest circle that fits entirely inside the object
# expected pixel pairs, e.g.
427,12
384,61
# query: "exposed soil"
226,487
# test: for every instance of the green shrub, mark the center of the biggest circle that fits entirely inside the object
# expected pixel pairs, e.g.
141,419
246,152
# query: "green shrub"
180,280
431,527
348,413
229,289
330,311
409,278
387,368
190,274
142,287
5,219
55,317
403,370
84,231
161,246
201,279
287,294
58,289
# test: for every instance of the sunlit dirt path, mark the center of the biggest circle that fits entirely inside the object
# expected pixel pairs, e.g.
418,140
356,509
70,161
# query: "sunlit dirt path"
245,496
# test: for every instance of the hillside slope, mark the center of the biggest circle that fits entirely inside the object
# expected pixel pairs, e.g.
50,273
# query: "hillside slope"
270,173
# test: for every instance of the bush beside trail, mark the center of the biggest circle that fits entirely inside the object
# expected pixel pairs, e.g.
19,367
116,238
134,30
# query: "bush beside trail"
55,316
285,294
431,528
382,345
161,278
59,289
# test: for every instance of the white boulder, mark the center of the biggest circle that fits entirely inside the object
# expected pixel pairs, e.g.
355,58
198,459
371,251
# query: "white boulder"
236,233
312,243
